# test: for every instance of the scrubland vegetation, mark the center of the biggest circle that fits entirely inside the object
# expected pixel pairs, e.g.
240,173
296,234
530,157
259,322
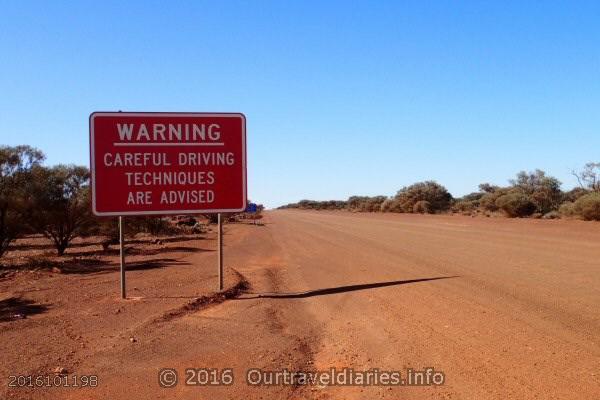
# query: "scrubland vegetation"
55,201
529,194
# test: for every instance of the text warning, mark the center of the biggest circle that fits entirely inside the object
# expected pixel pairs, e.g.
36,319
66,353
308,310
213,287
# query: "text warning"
167,163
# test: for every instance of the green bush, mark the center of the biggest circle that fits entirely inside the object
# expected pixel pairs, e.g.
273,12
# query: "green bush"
464,206
516,205
387,205
422,207
365,203
552,215
574,194
155,226
437,195
542,190
488,200
566,209
318,205
588,207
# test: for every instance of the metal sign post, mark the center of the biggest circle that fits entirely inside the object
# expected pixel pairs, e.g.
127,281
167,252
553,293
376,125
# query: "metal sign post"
220,250
122,254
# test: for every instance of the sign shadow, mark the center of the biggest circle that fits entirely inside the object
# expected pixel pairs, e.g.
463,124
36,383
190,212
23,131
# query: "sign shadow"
340,289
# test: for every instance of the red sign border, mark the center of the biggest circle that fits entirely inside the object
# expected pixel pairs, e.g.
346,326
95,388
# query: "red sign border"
166,114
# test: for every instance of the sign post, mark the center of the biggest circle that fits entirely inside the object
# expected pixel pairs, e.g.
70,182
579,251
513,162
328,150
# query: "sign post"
220,250
167,163
122,257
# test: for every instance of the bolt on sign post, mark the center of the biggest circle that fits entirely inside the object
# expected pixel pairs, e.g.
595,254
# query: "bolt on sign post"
146,163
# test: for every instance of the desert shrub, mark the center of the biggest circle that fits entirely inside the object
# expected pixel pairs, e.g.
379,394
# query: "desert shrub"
542,190
552,215
488,200
546,200
15,171
303,204
317,205
156,226
356,202
374,203
516,204
464,206
474,196
185,220
333,204
422,207
387,205
566,209
212,218
108,228
199,228
468,203
365,203
574,194
437,195
339,204
588,207
312,205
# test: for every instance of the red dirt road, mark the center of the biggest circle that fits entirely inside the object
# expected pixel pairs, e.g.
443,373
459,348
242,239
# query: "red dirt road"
521,319
515,313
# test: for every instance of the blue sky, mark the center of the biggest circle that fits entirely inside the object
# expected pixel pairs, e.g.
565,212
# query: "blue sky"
341,98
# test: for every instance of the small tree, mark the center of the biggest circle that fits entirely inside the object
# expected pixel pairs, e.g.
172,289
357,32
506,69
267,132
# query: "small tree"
542,190
60,203
15,171
589,178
